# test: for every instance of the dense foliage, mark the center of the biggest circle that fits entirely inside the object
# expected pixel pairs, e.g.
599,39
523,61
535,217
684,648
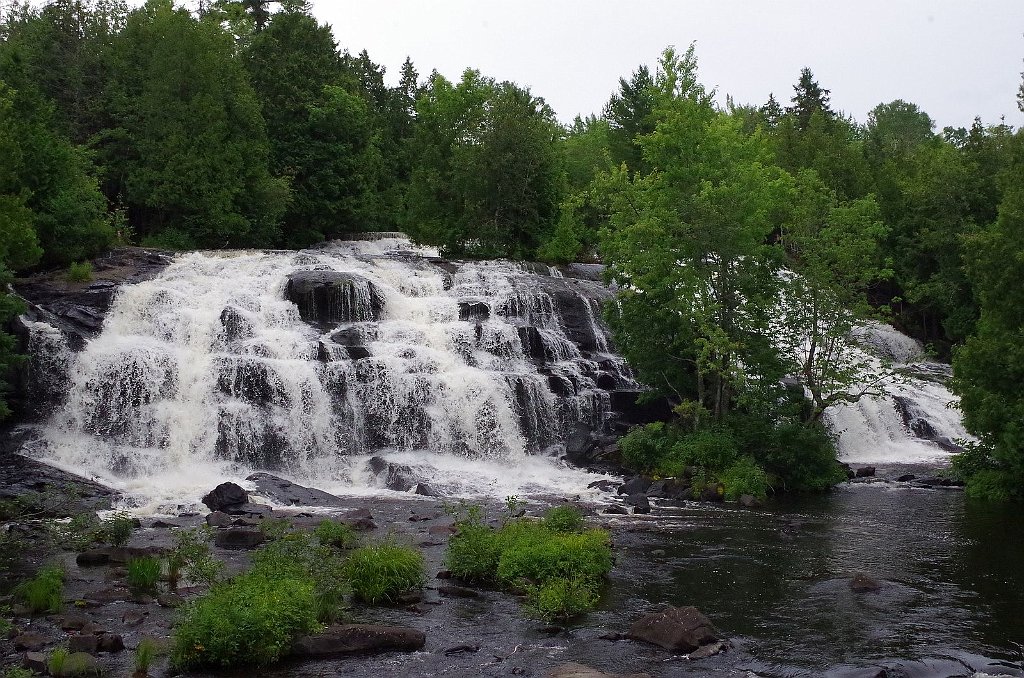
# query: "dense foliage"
747,240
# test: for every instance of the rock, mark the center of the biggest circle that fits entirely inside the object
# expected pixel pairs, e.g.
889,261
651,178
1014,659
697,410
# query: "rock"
344,639
111,642
906,478
81,664
603,485
677,629
171,600
239,538
862,583
225,495
75,621
533,347
444,574
249,510
669,488
452,591
83,643
474,310
850,473
394,476
574,670
461,649
425,490
92,558
417,517
33,642
709,650
749,501
639,502
359,519
658,552
714,492
865,472
218,519
635,485
285,492
133,617
632,413
35,662
163,524
616,510
329,297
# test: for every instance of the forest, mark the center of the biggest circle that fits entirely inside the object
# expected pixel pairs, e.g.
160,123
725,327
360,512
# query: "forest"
747,241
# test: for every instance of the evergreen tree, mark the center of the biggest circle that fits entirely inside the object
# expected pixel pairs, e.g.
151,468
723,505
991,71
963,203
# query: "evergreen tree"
629,113
809,98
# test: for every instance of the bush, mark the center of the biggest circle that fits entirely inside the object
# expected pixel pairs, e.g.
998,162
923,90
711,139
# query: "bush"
645,448
143,574
298,556
562,598
43,592
57,663
79,533
19,672
117,529
80,271
333,533
379,573
251,620
191,556
744,477
563,519
533,554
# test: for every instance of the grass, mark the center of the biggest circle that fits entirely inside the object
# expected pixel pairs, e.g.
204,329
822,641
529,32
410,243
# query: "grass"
143,574
80,271
117,530
145,653
191,557
299,556
380,573
43,592
559,565
333,533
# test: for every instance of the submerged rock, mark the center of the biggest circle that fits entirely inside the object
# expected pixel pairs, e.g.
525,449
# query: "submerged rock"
574,670
639,502
334,297
862,583
346,639
678,629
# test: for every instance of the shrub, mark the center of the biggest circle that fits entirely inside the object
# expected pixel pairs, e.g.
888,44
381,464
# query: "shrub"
143,574
43,592
145,653
57,663
333,533
713,449
744,477
300,557
191,556
80,271
19,672
562,598
531,553
78,533
251,620
473,552
644,448
275,528
118,528
379,573
563,519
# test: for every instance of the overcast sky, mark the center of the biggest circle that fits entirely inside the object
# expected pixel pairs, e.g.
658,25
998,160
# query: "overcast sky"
954,58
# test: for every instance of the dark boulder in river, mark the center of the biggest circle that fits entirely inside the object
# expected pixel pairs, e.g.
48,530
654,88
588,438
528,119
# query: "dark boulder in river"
344,639
677,629
226,496
330,297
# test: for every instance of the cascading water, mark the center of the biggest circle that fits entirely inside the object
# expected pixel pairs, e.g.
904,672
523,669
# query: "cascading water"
913,421
306,363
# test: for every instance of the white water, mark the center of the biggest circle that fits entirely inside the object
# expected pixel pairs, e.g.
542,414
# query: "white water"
873,430
207,373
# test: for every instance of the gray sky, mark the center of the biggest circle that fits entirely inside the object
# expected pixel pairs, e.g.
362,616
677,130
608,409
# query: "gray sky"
954,58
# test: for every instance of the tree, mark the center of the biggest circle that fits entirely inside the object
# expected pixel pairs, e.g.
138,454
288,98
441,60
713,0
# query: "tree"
629,114
809,98
189,154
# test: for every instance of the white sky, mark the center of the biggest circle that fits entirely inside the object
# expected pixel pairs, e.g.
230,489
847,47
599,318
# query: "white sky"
954,58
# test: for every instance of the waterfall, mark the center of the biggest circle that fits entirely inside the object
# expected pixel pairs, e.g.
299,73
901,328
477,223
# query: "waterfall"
307,363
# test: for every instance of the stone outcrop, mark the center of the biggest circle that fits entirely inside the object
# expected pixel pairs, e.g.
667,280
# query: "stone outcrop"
677,629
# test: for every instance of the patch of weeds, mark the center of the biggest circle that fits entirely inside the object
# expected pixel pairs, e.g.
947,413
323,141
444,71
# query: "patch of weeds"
80,271
250,620
143,574
557,564
19,672
299,556
81,532
275,528
563,519
147,651
43,592
117,530
336,534
380,573
191,557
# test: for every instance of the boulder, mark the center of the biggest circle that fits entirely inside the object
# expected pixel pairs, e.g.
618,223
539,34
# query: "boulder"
345,639
218,519
224,496
35,662
394,476
75,621
239,538
359,519
574,670
33,642
84,643
865,472
285,492
474,310
677,629
616,510
110,642
749,501
330,297
906,478
862,583
92,558
452,591
603,485
669,488
249,510
635,485
714,492
639,502
425,490
533,344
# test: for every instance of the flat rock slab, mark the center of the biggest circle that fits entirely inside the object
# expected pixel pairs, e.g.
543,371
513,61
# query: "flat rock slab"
677,629
239,538
344,639
286,492
574,670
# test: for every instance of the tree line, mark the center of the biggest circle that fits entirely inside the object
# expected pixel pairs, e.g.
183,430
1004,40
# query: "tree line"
231,125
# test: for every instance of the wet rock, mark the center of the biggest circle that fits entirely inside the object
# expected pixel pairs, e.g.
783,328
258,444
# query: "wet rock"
574,670
394,476
92,558
444,574
714,492
35,662
163,524
249,510
862,583
474,310
616,510
906,478
346,639
639,502
749,501
81,664
532,343
635,485
32,642
631,412
452,591
709,650
329,297
133,617
110,642
225,496
417,517
239,538
677,629
359,519
461,649
425,490
669,488
850,473
442,530
75,621
83,643
285,492
218,519
865,472
171,600
603,485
